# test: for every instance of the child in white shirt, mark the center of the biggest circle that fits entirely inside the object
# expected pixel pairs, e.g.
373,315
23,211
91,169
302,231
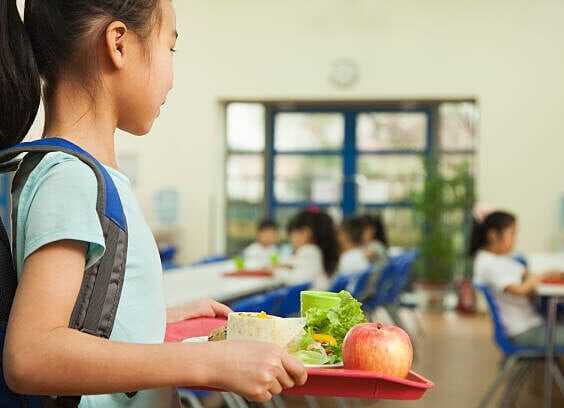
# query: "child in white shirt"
510,282
261,252
312,234
352,259
374,239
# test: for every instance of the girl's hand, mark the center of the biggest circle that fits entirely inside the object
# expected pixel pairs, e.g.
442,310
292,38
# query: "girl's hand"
255,370
198,308
555,274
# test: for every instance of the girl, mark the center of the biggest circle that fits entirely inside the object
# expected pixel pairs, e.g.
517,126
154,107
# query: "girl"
374,239
264,250
352,259
314,238
104,65
492,245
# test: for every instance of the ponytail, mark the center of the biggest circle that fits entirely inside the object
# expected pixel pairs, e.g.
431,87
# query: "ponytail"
20,85
497,221
324,235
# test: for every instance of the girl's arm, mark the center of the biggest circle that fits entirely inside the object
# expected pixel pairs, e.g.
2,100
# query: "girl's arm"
43,356
530,282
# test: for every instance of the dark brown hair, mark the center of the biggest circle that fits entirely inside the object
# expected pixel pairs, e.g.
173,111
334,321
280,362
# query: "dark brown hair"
497,221
58,37
323,232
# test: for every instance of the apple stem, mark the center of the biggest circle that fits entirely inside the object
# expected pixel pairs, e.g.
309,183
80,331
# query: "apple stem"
379,326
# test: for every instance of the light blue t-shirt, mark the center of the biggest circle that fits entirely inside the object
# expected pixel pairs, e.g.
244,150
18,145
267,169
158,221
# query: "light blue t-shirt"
58,202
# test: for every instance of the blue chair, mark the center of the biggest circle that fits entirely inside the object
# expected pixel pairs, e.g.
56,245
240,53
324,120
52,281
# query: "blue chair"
358,283
390,285
268,302
290,303
514,356
339,283
210,260
167,254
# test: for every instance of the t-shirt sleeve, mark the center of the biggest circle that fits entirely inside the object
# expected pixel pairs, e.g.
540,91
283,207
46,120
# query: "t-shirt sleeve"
500,275
64,208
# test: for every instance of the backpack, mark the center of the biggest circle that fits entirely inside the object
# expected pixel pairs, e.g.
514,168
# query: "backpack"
95,308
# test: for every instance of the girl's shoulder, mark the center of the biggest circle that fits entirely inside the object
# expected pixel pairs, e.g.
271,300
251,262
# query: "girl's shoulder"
56,167
309,250
488,262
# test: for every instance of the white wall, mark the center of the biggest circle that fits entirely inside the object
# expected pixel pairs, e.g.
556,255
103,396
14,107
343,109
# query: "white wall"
509,54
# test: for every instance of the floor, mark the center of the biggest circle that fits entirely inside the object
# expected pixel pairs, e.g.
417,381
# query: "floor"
456,353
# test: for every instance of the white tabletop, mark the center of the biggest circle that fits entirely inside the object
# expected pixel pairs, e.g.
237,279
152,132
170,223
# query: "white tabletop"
540,262
195,282
551,290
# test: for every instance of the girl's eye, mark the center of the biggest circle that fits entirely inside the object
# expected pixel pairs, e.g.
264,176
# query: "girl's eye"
173,49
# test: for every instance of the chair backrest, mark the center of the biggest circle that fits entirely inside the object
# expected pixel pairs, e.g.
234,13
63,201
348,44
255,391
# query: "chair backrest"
358,283
268,302
255,303
210,260
392,280
290,302
500,335
402,274
340,282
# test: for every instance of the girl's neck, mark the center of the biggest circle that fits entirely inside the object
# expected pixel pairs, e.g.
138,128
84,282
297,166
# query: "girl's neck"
494,250
88,122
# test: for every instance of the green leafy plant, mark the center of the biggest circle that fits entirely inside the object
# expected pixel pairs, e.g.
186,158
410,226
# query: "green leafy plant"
442,209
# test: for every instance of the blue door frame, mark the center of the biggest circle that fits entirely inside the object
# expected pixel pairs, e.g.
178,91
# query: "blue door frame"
348,153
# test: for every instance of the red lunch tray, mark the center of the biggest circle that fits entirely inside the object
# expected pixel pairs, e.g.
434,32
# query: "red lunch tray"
335,382
262,273
556,281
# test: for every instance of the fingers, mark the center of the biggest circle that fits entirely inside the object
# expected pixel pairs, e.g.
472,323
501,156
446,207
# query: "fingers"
262,397
220,309
275,388
285,380
295,369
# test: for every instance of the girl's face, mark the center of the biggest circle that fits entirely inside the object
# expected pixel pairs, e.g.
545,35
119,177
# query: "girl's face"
368,235
147,77
300,237
503,242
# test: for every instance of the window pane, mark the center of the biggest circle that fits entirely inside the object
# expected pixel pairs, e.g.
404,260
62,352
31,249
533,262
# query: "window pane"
452,165
401,227
242,221
388,178
391,131
245,127
309,131
245,177
458,126
305,178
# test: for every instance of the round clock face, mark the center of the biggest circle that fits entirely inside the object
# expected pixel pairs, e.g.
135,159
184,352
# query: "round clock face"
344,72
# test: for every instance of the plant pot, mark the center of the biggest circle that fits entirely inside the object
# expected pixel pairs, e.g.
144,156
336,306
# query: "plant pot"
432,295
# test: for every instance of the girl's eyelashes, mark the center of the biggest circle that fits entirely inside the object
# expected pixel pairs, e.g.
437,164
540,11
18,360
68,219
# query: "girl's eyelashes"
173,49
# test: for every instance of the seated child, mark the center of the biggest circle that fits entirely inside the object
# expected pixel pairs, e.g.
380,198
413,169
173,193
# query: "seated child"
374,239
511,284
314,239
352,259
261,252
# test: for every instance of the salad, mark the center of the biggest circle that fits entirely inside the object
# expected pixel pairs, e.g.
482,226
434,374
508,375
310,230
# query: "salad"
325,330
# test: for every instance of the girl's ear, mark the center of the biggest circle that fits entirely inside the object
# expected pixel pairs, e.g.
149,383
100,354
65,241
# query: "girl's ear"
115,43
492,237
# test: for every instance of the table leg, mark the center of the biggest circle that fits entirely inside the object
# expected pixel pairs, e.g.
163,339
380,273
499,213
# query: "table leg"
549,360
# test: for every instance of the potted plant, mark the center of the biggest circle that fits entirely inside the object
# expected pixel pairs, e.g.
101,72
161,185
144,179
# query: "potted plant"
442,209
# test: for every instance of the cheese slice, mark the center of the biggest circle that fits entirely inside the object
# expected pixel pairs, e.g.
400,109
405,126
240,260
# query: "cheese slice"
285,333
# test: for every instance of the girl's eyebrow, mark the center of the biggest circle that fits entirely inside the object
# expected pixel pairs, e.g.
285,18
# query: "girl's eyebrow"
175,34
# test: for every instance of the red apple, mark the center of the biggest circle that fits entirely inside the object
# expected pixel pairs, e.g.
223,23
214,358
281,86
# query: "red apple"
380,348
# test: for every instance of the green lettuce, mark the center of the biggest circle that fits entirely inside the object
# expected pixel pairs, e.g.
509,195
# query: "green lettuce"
336,321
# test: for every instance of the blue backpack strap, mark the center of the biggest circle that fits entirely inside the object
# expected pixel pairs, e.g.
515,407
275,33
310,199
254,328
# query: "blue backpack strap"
96,305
